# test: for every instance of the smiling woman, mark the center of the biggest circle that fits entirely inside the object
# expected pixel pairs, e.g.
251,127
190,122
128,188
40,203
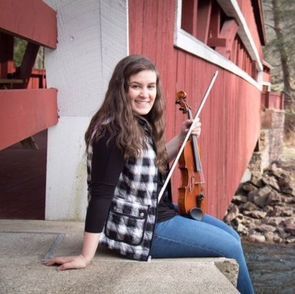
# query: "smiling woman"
127,165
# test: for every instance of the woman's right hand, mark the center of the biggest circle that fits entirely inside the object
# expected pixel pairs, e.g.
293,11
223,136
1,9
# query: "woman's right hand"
68,262
90,243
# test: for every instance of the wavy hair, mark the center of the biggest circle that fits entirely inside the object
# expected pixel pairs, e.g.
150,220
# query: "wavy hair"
117,118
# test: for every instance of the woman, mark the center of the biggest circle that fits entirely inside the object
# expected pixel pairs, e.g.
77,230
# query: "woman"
127,163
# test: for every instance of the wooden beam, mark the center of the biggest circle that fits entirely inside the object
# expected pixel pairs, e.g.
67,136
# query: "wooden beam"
204,18
228,32
259,18
23,113
6,47
6,53
189,16
32,20
214,39
24,71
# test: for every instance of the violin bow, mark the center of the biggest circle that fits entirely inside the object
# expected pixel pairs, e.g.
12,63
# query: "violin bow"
187,136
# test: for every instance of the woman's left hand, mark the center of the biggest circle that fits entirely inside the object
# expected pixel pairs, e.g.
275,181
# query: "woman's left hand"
186,125
174,144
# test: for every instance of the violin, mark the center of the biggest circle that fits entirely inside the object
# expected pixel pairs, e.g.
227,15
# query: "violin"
195,210
191,193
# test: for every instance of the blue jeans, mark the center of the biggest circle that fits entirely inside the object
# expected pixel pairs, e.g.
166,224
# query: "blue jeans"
210,237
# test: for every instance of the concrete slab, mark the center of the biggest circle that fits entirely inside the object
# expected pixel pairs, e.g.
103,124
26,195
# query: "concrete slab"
24,243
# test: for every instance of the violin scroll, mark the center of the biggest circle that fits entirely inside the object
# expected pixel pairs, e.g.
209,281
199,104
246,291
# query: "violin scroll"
181,100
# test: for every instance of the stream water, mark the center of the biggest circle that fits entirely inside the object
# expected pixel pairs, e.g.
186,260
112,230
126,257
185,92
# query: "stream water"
272,267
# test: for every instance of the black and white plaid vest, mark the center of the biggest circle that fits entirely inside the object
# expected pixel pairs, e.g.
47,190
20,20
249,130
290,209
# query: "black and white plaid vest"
132,215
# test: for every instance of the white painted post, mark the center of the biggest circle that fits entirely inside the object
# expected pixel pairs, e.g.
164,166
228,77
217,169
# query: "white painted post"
92,38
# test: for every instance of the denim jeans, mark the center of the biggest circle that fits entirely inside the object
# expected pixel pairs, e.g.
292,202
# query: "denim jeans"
210,237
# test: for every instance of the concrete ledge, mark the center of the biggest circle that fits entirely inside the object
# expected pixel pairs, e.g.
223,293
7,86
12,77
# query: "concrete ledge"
25,243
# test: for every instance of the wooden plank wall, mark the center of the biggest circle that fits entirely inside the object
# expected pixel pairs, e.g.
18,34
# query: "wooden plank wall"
231,118
32,111
32,20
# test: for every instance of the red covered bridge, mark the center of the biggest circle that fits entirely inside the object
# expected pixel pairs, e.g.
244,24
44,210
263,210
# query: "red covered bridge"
188,40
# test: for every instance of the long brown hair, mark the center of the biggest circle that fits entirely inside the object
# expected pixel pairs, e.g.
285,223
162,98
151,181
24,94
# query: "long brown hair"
117,118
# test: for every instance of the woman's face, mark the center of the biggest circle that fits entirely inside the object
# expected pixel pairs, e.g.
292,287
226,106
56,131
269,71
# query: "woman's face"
142,91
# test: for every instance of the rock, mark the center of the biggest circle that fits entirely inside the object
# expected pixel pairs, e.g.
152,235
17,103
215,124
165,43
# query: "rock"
290,228
287,221
233,211
283,234
263,228
256,179
255,213
282,211
285,184
268,210
288,199
242,229
274,221
264,191
248,187
269,236
238,199
259,197
260,200
275,170
256,238
273,198
248,206
277,239
270,181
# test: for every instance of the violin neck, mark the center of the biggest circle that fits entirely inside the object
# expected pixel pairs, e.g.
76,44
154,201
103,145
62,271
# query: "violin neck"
194,140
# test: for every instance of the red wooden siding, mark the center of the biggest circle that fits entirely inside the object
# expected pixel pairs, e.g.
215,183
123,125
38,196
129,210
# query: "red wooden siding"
32,112
231,118
272,100
25,112
31,19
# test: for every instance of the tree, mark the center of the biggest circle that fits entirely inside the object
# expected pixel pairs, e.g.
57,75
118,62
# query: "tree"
280,22
19,50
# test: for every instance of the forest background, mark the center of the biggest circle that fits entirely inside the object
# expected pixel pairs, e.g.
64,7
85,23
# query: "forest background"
279,53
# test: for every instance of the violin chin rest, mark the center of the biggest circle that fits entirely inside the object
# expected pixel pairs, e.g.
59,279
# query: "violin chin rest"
196,213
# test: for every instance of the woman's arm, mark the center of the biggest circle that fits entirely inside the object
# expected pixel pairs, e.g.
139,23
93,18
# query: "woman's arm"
173,146
107,164
90,243
175,143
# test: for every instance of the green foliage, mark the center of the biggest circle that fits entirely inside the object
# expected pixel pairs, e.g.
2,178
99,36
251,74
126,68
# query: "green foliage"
19,50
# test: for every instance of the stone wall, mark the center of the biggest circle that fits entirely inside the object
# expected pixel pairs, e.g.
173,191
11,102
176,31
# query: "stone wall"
272,133
264,205
263,208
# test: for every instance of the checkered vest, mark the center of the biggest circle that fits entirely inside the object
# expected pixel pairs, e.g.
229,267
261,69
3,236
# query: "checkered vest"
132,216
